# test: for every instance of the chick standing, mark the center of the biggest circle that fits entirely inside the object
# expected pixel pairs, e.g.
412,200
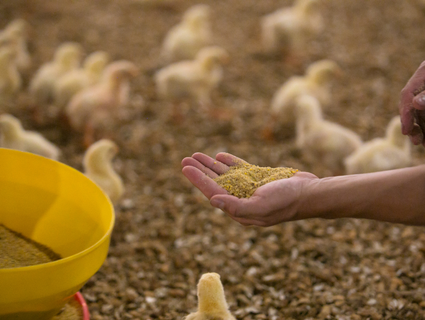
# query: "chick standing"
75,80
322,141
13,136
99,105
287,29
15,35
316,83
379,154
192,78
10,79
184,40
211,300
97,164
66,58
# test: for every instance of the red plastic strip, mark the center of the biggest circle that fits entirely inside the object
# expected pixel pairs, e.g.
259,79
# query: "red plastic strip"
79,297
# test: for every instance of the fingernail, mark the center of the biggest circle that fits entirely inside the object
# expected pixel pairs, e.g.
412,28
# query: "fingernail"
217,203
420,100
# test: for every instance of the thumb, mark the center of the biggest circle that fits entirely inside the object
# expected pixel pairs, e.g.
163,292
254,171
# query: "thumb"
235,207
419,101
223,202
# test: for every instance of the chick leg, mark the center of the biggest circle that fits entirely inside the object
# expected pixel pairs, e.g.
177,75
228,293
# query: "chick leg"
268,131
37,115
88,137
212,112
176,116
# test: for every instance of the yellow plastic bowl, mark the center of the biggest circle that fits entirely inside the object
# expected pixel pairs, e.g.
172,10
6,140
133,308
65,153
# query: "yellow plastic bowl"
61,208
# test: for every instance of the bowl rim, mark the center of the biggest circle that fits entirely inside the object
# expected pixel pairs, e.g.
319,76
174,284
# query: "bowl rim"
98,243
82,302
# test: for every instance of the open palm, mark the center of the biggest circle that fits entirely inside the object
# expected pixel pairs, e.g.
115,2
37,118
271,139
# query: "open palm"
275,202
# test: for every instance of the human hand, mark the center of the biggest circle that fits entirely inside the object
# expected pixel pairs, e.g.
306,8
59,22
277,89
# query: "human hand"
272,203
412,107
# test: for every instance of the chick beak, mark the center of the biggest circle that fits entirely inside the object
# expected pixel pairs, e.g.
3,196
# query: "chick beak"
338,73
133,71
225,59
114,149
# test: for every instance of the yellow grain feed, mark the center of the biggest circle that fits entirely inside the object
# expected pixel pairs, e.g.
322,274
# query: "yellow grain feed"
243,179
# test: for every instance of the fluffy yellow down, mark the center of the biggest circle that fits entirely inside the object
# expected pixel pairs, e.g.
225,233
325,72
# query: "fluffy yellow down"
15,35
10,79
67,57
322,141
98,105
192,78
379,154
184,40
75,80
13,136
316,83
288,28
97,164
212,303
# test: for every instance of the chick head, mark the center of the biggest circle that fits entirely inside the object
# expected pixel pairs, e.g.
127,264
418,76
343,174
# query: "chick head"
9,125
394,134
121,69
17,28
322,71
7,54
8,40
306,6
100,152
307,108
96,61
213,55
197,15
68,54
211,296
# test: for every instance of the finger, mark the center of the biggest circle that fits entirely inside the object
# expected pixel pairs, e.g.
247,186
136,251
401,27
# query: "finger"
245,208
216,166
229,159
303,175
195,163
248,223
419,101
416,136
416,83
420,119
414,86
407,119
204,183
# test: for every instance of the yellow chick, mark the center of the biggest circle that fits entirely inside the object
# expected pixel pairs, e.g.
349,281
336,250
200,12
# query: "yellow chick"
212,303
322,141
13,136
10,79
97,165
184,40
316,82
15,34
192,78
288,28
75,80
391,152
67,57
98,106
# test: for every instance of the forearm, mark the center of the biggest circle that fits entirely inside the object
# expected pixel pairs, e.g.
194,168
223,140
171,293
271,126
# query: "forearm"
394,196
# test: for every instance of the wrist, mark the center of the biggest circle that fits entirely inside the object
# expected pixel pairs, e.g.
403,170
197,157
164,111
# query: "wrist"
396,196
334,197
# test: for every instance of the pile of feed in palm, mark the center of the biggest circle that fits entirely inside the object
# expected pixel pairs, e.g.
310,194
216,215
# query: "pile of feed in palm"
241,180
167,234
19,251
